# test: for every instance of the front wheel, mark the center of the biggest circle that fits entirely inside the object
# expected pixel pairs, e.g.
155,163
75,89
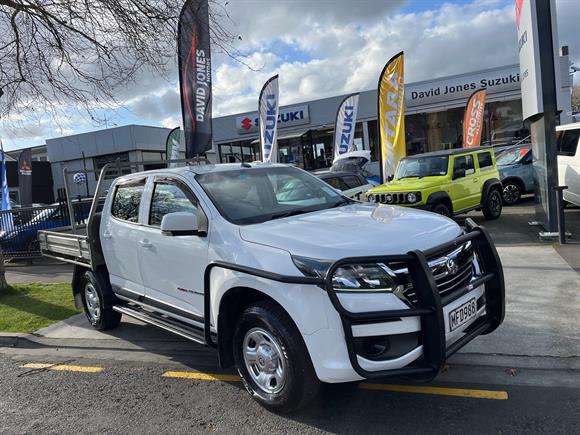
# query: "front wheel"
442,209
511,193
493,205
272,359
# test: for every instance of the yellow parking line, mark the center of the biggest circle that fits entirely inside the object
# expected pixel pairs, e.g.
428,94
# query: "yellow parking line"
441,391
62,367
202,376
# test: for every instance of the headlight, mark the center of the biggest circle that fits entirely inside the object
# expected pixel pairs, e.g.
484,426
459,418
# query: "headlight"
365,277
411,197
388,198
373,277
370,197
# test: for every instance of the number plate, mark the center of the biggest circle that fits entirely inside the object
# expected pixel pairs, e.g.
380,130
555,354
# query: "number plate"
462,314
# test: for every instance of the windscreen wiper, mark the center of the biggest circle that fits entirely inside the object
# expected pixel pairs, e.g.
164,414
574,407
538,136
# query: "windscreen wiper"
288,213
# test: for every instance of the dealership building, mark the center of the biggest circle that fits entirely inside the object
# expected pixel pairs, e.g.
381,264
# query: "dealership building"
434,111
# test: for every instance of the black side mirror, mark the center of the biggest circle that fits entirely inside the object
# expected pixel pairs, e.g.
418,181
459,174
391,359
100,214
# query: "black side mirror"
390,178
458,173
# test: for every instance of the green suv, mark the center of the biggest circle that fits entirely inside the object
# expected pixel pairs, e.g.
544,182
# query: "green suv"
446,182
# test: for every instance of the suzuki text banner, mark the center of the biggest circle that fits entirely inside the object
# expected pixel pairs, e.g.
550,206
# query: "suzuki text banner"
473,121
391,115
195,76
344,125
268,111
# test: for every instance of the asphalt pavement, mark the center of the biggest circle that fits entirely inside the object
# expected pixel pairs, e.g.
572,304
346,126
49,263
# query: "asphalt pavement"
523,378
96,396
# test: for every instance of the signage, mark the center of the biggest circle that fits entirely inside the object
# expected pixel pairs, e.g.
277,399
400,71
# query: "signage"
287,117
345,125
473,121
391,96
195,76
460,88
529,54
268,108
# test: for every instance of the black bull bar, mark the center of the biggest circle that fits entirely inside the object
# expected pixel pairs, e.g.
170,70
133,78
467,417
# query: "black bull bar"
429,306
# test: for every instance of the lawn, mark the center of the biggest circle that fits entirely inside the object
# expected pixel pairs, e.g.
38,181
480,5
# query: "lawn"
29,307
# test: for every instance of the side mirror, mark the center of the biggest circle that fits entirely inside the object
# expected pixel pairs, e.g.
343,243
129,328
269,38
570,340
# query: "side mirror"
179,224
390,178
458,173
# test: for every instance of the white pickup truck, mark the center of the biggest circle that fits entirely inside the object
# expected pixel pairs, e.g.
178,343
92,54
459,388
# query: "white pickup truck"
293,283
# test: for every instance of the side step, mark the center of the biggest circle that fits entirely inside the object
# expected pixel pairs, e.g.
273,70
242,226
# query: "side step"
173,326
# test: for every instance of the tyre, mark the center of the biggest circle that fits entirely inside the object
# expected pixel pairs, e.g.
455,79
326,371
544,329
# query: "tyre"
442,209
512,192
272,359
98,299
493,205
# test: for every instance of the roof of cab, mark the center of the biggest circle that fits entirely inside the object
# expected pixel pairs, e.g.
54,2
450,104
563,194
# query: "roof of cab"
204,169
450,152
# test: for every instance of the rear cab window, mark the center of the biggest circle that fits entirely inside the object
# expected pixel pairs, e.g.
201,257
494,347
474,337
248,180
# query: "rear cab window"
127,200
484,160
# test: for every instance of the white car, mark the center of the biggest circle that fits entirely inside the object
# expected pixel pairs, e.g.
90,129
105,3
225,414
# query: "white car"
351,184
569,161
292,286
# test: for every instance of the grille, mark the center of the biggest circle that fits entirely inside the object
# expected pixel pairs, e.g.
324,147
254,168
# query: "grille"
391,198
451,270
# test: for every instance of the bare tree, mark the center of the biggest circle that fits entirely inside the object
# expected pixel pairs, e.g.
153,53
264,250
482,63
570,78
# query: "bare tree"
61,54
55,54
576,98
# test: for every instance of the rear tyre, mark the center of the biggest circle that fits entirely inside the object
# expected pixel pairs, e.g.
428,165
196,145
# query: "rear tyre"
272,359
493,205
442,209
512,192
97,297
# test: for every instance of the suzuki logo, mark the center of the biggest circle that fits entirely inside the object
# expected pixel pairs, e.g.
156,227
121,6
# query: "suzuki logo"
451,266
246,123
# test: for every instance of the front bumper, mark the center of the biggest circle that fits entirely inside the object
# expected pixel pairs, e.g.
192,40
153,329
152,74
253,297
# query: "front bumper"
436,344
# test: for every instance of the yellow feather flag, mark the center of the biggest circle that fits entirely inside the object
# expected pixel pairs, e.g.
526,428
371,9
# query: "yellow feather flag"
392,115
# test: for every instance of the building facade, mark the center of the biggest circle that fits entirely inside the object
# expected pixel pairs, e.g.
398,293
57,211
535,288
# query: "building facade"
434,112
91,151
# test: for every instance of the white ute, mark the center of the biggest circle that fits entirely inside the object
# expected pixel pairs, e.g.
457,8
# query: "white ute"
293,283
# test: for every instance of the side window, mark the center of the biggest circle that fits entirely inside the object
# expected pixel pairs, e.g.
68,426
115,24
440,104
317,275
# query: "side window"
464,162
484,160
127,200
352,181
169,198
337,183
568,142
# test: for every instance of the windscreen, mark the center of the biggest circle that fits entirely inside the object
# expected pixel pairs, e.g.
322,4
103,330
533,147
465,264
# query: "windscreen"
422,167
253,195
509,157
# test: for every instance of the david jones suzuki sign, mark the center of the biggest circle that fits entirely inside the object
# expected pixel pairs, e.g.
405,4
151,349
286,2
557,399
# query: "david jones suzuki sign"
460,88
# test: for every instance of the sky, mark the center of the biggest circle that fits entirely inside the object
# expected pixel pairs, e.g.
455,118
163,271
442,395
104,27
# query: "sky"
323,48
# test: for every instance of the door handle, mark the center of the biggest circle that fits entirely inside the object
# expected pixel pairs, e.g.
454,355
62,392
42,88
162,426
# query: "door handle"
107,235
145,243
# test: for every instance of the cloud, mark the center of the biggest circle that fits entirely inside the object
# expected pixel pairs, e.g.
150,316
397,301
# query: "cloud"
324,48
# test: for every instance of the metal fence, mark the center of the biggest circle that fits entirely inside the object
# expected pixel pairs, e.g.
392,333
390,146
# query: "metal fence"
19,226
